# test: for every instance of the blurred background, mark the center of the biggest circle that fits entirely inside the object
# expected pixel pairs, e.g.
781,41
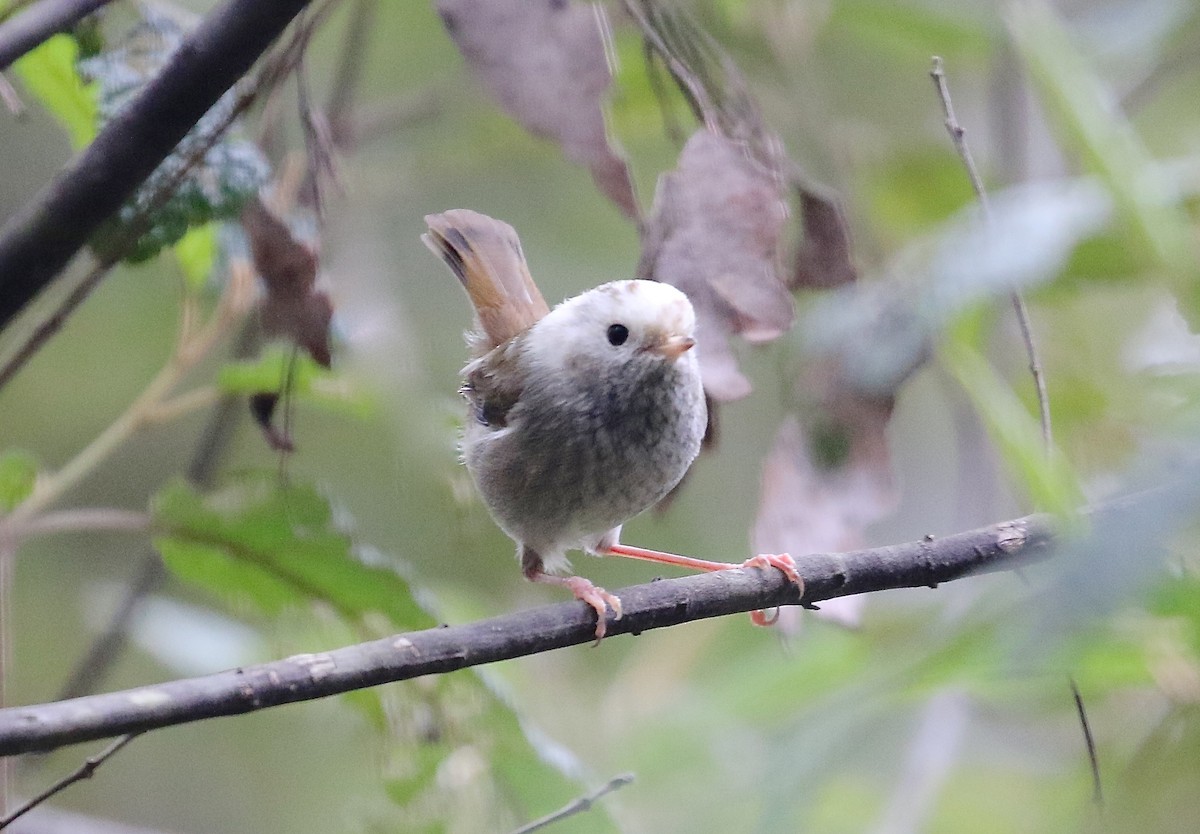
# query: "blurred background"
922,710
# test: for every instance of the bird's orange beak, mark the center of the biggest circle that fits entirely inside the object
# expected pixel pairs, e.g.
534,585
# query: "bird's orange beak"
674,347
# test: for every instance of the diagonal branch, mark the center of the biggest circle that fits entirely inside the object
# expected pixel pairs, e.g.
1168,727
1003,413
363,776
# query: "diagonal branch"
29,27
439,650
43,237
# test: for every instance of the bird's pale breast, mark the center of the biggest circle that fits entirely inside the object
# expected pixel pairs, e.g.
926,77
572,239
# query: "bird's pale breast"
582,455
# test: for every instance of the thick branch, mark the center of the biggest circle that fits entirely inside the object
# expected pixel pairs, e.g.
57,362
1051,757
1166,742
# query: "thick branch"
39,241
439,650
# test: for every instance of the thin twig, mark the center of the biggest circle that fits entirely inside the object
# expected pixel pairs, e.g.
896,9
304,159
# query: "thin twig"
1090,740
84,771
958,138
661,604
578,805
86,519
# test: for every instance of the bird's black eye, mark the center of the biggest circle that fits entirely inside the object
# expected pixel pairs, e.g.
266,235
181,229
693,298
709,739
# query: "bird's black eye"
617,334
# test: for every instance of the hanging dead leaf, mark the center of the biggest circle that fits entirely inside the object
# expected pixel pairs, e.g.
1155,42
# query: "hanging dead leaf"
823,485
823,258
714,233
545,64
293,307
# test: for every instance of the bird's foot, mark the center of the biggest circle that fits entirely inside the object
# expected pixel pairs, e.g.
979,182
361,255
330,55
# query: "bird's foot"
584,591
787,566
780,561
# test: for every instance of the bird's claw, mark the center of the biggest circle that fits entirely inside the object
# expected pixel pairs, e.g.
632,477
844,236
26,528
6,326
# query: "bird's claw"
781,562
787,566
600,600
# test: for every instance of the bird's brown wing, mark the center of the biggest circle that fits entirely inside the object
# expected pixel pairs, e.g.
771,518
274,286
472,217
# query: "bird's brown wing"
485,255
494,383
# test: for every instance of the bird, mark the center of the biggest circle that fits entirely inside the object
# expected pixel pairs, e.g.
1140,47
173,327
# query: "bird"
579,417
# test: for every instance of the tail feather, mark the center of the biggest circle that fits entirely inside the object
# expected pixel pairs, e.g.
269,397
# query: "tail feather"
485,255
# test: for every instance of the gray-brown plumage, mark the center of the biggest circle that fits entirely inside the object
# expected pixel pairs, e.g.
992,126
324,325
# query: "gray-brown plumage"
580,417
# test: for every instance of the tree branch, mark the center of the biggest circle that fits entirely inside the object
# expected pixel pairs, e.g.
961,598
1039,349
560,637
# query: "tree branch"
439,650
39,241
28,28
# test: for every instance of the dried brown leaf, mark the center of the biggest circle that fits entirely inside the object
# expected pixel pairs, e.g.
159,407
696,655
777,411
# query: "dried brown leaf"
544,63
293,307
715,233
823,258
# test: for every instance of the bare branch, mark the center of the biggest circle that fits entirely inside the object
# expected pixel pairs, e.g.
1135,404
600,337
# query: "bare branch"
958,137
43,237
27,29
1090,740
84,771
439,650
578,805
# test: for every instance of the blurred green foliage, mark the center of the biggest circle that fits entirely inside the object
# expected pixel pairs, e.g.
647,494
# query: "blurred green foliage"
50,73
944,710
18,471
221,172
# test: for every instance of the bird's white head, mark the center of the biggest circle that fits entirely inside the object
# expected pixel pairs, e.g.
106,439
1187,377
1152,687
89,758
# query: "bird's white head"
615,323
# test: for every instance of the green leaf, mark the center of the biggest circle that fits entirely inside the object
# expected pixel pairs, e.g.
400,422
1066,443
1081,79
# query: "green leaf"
196,252
1044,473
18,472
49,73
295,372
1073,92
219,570
272,545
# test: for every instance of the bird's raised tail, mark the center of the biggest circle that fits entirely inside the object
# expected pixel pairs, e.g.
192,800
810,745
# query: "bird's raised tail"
485,254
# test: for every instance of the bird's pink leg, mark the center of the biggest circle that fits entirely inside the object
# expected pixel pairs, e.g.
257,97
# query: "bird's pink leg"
584,591
780,561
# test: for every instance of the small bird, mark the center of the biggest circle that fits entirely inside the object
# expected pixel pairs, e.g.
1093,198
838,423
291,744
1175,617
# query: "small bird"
580,417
